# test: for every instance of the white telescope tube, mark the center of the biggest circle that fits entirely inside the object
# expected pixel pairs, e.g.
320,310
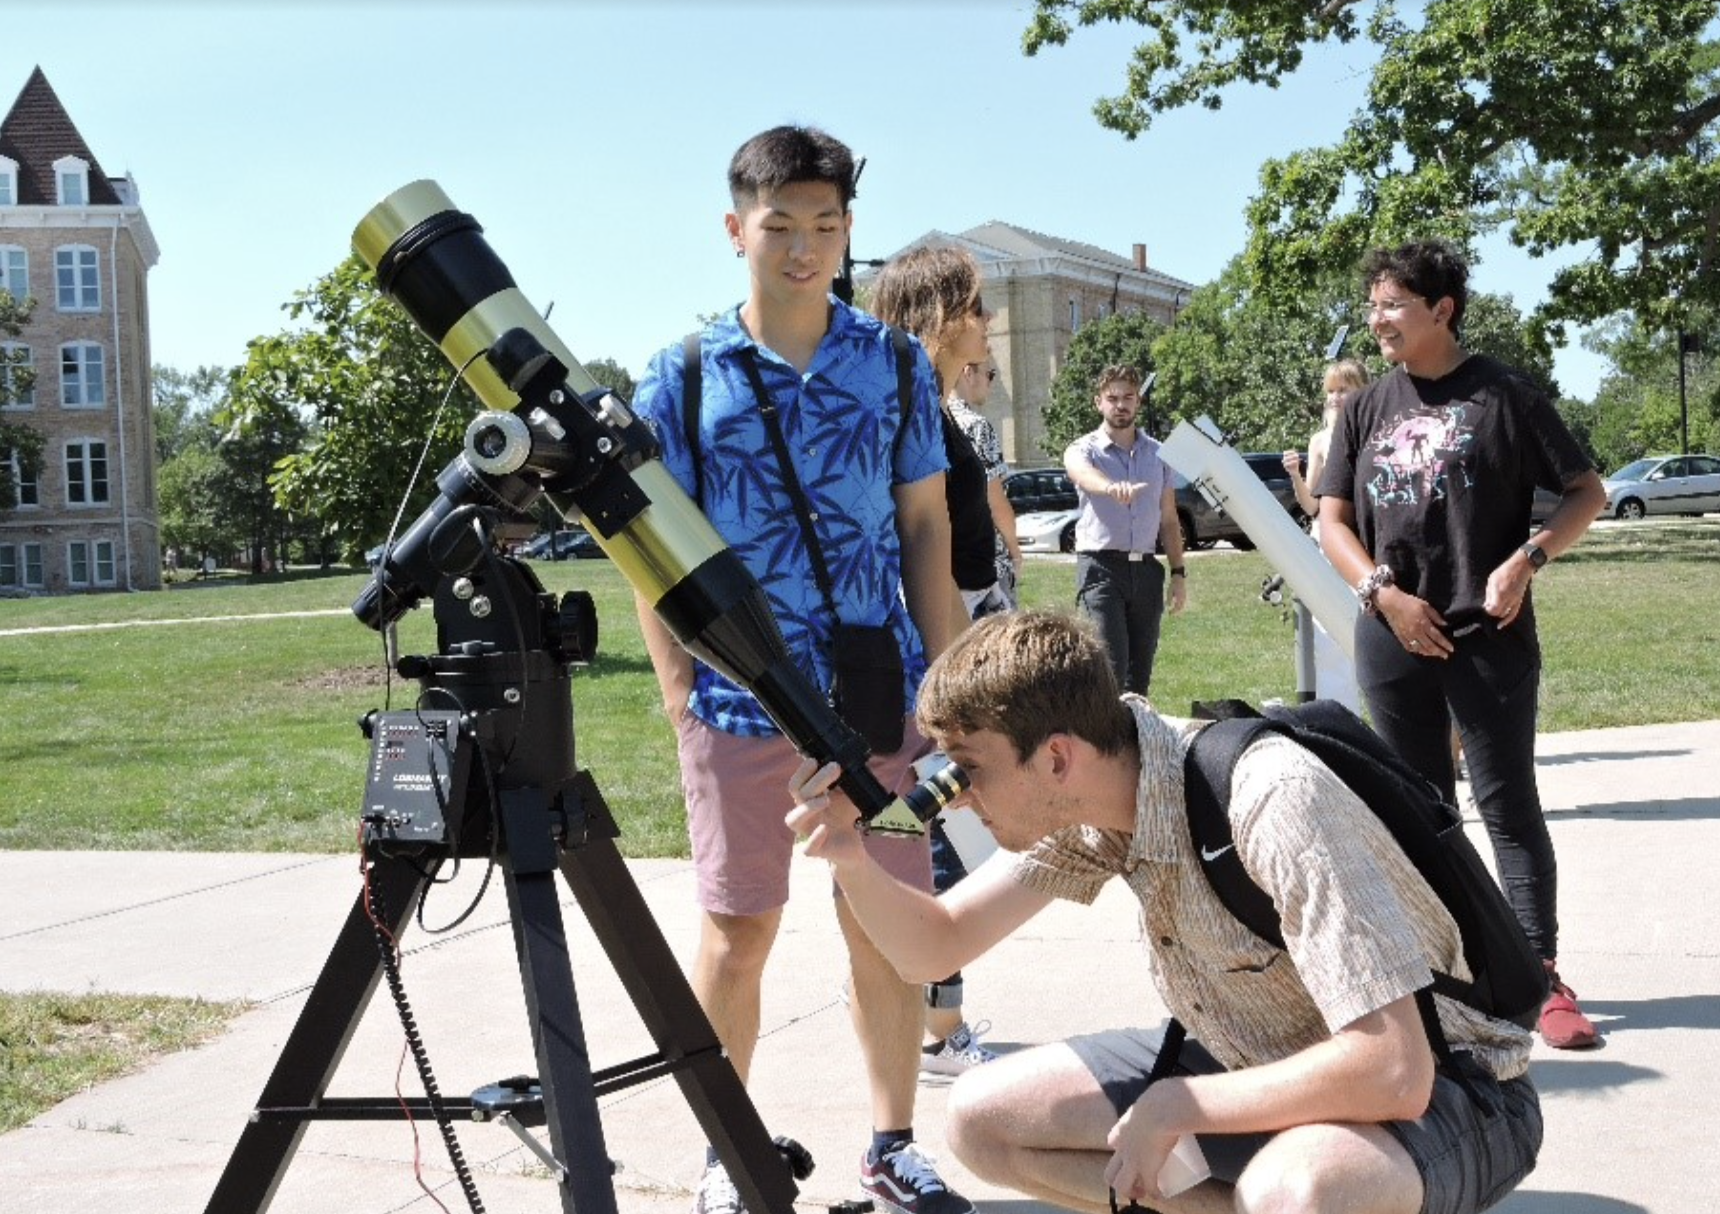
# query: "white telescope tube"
1224,479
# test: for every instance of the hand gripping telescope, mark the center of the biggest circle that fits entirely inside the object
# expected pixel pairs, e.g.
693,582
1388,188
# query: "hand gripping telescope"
555,432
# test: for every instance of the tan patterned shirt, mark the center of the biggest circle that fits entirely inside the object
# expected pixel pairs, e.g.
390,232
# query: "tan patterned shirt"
1361,926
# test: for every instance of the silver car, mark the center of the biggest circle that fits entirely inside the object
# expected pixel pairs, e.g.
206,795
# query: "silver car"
1664,484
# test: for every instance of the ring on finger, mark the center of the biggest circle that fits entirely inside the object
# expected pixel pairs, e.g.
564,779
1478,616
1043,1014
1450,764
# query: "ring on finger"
1415,644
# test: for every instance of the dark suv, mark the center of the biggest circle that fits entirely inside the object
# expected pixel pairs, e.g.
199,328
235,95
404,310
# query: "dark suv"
1203,524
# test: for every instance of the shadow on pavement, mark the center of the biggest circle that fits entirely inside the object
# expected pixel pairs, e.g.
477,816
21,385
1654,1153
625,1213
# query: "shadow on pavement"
1690,809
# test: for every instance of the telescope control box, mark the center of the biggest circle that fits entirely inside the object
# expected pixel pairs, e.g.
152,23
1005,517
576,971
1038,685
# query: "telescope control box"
417,778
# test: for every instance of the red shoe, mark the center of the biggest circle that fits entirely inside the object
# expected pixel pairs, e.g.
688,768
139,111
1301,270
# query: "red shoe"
1563,1025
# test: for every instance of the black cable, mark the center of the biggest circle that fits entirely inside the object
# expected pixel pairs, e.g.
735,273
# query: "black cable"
415,1043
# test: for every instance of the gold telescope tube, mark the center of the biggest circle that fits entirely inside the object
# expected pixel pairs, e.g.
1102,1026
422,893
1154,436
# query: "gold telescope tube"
433,261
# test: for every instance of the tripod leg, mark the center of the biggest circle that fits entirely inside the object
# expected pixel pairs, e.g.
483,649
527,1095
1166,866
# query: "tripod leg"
552,1006
313,1050
647,967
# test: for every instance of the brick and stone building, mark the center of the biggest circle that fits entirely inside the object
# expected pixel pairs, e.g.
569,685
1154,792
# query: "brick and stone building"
1041,289
76,241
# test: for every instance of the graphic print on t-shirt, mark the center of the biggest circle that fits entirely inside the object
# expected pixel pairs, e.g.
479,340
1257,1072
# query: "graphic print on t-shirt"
1415,455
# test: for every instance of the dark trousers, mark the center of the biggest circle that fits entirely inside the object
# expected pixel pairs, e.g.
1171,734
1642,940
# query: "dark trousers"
1125,600
1489,688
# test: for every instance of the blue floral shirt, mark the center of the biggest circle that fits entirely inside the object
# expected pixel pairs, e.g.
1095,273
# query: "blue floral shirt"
840,421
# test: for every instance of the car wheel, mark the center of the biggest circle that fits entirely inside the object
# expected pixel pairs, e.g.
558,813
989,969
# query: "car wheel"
1242,543
1191,541
1631,509
1066,541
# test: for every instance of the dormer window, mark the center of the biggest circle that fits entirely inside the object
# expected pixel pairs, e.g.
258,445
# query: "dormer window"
8,182
72,177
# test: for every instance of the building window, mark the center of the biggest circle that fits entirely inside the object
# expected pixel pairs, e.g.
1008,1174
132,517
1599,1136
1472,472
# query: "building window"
21,565
86,473
90,563
72,176
77,279
8,182
17,376
81,384
14,271
1074,314
26,493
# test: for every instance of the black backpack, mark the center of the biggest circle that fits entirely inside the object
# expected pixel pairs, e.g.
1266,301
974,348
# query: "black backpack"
1510,982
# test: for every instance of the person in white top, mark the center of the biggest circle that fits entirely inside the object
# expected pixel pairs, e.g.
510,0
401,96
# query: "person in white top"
1334,672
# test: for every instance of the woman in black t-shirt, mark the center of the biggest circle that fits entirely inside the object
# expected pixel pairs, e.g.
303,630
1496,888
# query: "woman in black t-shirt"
1425,509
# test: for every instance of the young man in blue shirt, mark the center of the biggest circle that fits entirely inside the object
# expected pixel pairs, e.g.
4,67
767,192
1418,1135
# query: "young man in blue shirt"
873,475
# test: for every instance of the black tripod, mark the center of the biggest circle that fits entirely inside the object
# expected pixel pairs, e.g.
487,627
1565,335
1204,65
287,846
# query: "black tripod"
486,767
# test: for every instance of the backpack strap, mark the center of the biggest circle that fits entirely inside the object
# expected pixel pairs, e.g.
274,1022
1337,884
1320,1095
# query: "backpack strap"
692,397
904,381
1207,771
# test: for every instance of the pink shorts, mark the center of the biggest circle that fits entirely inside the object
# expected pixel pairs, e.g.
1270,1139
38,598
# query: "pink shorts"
737,798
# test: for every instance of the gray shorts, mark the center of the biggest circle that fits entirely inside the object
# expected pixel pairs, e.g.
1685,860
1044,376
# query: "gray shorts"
1471,1147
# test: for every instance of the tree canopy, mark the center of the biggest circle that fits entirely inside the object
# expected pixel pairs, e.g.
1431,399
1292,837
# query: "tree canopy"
368,388
17,441
1582,126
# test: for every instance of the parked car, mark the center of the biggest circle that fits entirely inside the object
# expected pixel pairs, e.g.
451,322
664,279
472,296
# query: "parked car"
1664,484
1047,530
563,546
1039,489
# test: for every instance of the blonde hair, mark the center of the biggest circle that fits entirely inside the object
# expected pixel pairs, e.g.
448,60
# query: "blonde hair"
1347,374
928,292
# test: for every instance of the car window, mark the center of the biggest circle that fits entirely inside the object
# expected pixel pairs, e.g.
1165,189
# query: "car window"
1634,471
1704,465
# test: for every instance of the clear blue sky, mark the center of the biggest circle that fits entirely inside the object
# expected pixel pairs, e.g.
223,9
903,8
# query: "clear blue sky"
591,141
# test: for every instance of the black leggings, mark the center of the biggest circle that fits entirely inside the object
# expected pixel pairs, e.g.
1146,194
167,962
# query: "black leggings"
1489,688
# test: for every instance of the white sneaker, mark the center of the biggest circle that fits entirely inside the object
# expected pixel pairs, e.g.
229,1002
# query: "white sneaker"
960,1051
717,1193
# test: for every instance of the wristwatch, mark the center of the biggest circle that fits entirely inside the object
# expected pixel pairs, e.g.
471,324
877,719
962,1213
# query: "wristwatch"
1178,571
1536,554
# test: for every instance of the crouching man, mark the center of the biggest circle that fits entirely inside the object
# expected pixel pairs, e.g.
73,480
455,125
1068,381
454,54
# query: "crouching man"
1307,1076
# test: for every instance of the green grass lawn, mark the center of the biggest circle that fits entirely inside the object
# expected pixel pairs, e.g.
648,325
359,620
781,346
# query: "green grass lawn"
241,734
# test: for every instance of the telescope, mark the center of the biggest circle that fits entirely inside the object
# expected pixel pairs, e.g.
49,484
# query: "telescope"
552,431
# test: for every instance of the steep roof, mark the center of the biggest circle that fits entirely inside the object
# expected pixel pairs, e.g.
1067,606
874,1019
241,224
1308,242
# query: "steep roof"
36,132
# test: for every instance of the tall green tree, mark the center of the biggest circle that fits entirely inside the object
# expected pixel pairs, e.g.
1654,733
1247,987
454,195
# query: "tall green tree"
374,396
185,406
612,375
1580,125
17,378
1637,411
1122,338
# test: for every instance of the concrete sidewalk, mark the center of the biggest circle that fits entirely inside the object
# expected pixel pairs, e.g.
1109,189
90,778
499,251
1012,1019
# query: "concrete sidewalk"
1635,814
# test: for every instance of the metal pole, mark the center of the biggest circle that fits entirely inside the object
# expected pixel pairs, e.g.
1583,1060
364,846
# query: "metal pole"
1683,409
1306,687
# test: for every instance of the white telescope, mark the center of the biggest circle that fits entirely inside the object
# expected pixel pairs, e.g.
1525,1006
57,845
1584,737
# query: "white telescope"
1199,452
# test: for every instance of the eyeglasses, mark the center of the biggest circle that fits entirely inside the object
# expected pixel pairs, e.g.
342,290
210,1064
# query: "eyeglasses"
990,373
1387,307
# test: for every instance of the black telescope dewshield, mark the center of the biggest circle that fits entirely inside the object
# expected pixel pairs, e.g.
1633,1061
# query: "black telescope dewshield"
602,469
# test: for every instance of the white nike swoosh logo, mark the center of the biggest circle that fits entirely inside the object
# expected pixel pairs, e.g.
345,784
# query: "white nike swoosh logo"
1210,856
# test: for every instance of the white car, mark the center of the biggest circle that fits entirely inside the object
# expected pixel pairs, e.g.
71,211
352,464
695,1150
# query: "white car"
1664,484
1047,530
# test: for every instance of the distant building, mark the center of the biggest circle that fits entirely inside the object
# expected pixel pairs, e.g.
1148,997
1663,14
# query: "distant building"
1042,289
76,241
